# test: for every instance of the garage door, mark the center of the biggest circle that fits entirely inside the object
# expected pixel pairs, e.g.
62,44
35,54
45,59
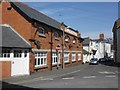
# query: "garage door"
5,70
20,63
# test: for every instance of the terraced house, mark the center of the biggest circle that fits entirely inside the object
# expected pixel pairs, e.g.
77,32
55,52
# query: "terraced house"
53,45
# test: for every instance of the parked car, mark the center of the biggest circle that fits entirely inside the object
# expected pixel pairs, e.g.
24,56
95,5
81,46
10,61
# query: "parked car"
102,59
93,61
105,59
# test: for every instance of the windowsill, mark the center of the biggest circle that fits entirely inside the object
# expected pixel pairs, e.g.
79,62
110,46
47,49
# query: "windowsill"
42,35
66,62
79,60
67,41
57,39
55,64
73,61
38,67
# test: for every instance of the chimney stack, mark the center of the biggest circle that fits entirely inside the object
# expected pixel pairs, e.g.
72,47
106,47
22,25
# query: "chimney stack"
101,36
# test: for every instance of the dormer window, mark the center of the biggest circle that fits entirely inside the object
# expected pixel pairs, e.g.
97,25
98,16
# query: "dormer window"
74,40
41,31
56,35
67,38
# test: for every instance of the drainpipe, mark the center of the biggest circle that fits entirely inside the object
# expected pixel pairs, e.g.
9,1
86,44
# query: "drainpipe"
51,44
63,64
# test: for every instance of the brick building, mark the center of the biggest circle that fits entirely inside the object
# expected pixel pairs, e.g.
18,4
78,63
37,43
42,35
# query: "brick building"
116,40
52,42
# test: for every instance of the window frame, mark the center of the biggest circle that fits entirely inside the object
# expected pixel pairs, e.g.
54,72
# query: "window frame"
79,56
67,38
66,55
73,56
54,58
5,54
17,54
40,59
74,40
56,35
41,31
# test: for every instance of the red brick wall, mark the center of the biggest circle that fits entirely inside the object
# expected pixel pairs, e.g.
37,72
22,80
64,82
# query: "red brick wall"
17,21
27,30
5,72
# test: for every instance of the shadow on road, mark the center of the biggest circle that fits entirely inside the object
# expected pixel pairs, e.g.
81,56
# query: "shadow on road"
6,85
110,63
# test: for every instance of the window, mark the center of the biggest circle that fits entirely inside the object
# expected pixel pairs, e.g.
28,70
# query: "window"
74,40
66,57
54,58
73,57
17,53
56,35
67,38
41,31
40,59
5,53
25,53
79,56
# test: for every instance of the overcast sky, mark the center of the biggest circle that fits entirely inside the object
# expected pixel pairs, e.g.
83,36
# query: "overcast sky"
89,18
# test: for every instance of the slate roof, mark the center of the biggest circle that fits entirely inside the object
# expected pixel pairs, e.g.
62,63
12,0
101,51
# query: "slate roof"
35,15
11,39
85,52
86,41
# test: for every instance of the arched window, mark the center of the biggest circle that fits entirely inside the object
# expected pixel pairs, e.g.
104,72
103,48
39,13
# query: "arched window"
67,38
56,35
41,31
74,40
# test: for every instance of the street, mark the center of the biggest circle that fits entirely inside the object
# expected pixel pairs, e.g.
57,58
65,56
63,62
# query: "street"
81,76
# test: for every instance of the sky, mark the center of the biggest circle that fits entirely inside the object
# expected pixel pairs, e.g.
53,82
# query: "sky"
89,18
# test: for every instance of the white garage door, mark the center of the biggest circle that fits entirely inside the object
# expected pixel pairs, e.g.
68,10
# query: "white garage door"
20,62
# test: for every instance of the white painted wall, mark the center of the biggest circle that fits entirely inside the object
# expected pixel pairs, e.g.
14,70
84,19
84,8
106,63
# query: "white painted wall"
19,66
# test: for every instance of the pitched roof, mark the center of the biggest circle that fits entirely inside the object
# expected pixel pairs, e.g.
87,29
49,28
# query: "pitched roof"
35,15
10,38
86,41
85,52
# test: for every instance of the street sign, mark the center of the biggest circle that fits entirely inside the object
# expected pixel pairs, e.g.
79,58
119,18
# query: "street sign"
58,47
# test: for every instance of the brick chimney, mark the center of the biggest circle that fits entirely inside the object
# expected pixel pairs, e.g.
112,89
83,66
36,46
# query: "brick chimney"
62,26
101,36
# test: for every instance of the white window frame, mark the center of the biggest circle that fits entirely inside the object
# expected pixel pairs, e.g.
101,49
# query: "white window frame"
79,56
40,59
11,54
56,35
54,58
66,57
67,38
5,53
74,40
41,31
73,56
17,55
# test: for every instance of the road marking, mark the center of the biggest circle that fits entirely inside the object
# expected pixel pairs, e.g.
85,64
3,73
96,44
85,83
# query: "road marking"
45,78
89,77
106,72
68,78
110,76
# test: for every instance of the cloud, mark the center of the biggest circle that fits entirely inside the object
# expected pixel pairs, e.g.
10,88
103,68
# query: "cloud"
52,11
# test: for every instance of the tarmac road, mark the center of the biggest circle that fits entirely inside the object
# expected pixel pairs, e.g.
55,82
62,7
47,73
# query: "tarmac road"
82,76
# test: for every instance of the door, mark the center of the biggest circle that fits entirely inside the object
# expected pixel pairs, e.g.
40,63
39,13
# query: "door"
20,62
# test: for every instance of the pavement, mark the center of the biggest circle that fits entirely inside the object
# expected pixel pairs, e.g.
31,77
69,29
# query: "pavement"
45,74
